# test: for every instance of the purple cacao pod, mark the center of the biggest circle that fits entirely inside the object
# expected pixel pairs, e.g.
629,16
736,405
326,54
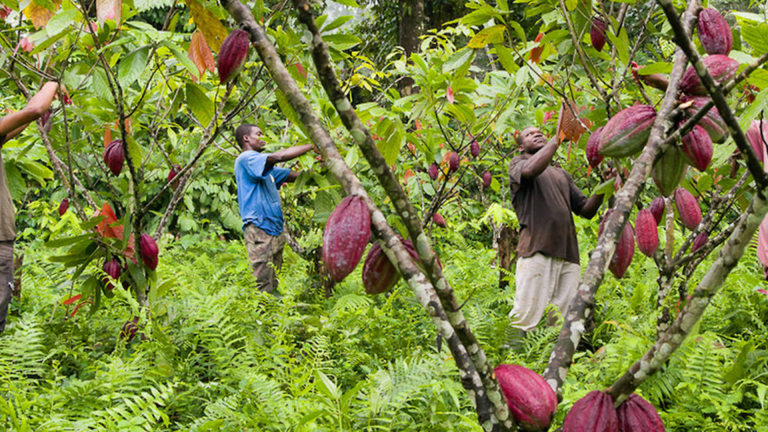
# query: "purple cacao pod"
714,33
487,179
114,156
149,251
128,332
433,171
172,175
721,67
474,149
757,135
597,34
657,209
531,401
592,413
627,132
439,221
63,207
712,122
638,415
593,148
688,209
453,162
647,232
379,274
113,269
669,170
698,147
699,241
233,54
345,237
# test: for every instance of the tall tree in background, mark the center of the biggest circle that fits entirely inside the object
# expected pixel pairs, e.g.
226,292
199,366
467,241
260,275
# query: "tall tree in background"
410,28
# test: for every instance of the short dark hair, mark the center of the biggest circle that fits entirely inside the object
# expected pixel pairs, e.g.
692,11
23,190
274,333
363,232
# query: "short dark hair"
242,131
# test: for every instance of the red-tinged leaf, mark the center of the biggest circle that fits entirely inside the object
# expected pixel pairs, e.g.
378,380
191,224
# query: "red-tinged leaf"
71,300
79,305
206,22
418,125
449,95
27,45
762,242
200,54
4,12
300,69
107,136
536,52
40,15
109,10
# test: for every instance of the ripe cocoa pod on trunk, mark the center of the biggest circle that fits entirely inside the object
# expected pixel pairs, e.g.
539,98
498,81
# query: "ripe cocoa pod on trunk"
114,156
647,232
714,33
597,34
345,237
698,147
657,209
688,209
439,221
453,162
379,274
711,122
627,132
625,249
149,251
487,179
233,54
113,269
128,332
172,175
699,241
531,401
721,67
757,135
669,170
638,415
433,171
63,207
593,146
474,149
592,413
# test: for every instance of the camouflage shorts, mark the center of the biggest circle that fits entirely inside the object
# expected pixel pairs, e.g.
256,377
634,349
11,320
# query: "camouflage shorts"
265,252
6,279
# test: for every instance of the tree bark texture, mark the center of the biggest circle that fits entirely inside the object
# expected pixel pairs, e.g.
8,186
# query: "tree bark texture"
410,28
508,239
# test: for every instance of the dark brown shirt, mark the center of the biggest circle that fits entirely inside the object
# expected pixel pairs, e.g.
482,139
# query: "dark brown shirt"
544,207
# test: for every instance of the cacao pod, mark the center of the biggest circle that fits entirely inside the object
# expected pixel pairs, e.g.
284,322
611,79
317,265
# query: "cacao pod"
233,54
113,269
657,209
597,34
46,121
345,237
487,179
592,413
531,401
647,232
149,251
114,156
627,132
593,146
625,249
439,221
757,135
379,274
128,332
698,147
453,163
721,67
699,241
638,415
63,207
474,149
433,171
669,170
714,33
688,209
711,122
172,175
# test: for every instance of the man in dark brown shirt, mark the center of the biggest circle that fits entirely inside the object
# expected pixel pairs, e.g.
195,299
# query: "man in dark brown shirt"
544,198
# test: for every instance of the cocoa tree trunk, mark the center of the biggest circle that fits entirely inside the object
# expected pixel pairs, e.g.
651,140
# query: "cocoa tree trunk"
508,238
410,28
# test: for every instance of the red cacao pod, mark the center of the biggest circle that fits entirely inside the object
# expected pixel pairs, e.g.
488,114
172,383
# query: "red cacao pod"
638,415
487,179
669,170
597,34
233,54
531,401
379,274
647,232
593,146
439,221
149,251
114,156
172,175
699,241
128,332
625,248
757,135
345,237
698,147
721,67
712,122
453,162
474,149
113,269
714,33
657,209
627,132
433,171
592,413
688,208
63,207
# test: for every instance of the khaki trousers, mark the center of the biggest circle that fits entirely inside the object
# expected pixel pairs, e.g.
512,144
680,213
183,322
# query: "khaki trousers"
541,280
6,280
265,252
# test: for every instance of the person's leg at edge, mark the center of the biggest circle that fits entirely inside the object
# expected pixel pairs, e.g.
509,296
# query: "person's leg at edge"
259,246
277,258
6,280
534,289
567,286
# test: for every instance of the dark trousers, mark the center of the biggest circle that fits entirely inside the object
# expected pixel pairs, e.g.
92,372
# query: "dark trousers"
6,279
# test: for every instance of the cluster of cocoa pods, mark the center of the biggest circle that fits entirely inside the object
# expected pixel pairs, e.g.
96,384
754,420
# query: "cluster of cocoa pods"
595,412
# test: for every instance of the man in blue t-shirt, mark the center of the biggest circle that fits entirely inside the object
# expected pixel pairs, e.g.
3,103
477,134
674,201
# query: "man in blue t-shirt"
258,181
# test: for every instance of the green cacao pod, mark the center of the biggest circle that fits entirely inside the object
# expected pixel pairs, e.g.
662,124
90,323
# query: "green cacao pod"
638,415
711,122
669,170
714,33
687,208
721,67
531,401
592,413
627,132
346,236
698,148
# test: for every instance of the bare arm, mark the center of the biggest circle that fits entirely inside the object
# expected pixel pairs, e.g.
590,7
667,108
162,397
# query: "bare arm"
288,154
591,206
537,163
12,124
293,176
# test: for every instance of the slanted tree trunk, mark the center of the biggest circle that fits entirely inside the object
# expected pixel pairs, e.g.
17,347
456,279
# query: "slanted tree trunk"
410,28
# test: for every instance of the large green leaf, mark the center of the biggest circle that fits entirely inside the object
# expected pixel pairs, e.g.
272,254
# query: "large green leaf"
199,103
756,35
133,65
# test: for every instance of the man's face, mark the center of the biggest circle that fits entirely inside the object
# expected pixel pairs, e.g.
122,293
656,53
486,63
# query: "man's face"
533,140
254,141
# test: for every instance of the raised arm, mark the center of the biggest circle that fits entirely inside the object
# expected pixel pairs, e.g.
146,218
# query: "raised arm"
540,160
288,154
12,124
591,206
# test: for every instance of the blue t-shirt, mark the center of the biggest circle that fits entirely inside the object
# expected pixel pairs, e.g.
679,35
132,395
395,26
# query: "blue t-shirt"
257,191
